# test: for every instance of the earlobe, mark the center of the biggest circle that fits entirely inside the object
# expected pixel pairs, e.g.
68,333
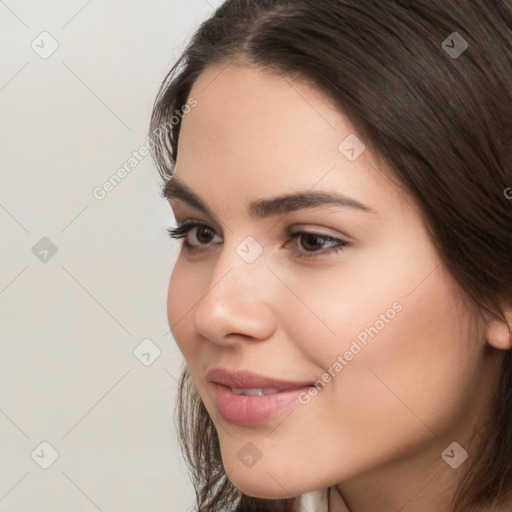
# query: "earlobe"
499,333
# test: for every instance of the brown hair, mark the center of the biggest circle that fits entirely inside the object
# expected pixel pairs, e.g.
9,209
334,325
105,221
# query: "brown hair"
441,120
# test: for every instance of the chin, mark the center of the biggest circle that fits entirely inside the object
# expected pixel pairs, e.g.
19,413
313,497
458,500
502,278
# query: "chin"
256,490
265,485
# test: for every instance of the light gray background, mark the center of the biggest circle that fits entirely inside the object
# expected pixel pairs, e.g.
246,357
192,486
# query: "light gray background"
69,325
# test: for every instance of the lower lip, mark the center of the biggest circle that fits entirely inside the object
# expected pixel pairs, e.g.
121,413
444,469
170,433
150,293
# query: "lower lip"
253,410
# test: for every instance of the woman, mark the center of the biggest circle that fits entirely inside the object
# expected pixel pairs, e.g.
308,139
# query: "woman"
343,295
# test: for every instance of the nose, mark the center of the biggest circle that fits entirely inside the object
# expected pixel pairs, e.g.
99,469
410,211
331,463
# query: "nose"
236,303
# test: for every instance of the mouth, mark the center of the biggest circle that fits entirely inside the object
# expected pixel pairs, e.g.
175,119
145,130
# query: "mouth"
248,399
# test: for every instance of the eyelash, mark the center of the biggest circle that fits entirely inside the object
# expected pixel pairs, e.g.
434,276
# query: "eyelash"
184,229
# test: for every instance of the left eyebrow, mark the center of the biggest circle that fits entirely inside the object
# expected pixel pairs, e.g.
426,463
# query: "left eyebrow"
175,188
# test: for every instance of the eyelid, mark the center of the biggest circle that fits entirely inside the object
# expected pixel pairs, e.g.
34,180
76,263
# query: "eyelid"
210,223
184,228
307,228
310,228
322,231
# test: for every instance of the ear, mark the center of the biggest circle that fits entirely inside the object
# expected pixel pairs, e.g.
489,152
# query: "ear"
498,333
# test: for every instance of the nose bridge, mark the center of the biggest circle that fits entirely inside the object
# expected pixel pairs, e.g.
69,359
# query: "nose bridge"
237,300
241,266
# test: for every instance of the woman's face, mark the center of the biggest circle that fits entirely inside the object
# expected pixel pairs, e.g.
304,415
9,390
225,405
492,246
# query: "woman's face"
371,314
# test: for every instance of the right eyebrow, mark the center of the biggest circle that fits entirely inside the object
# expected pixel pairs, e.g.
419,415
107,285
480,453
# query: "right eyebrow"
176,189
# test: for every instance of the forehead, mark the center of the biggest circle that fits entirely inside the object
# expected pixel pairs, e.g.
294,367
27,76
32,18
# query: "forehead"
264,103
258,132
249,118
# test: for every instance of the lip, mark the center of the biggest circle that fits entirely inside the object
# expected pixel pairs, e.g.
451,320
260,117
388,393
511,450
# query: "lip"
246,380
252,410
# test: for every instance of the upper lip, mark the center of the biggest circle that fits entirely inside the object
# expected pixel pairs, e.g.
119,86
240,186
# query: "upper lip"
243,379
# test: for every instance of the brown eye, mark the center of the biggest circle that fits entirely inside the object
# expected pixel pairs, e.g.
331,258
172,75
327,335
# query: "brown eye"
312,242
309,245
204,234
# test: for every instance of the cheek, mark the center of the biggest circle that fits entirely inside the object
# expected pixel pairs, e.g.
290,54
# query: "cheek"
389,332
180,300
415,365
331,309
377,299
174,306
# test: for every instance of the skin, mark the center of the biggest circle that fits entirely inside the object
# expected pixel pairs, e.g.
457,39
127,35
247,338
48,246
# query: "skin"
376,432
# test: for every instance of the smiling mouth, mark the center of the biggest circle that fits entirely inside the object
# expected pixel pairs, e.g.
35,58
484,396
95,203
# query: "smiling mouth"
254,391
246,398
250,407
